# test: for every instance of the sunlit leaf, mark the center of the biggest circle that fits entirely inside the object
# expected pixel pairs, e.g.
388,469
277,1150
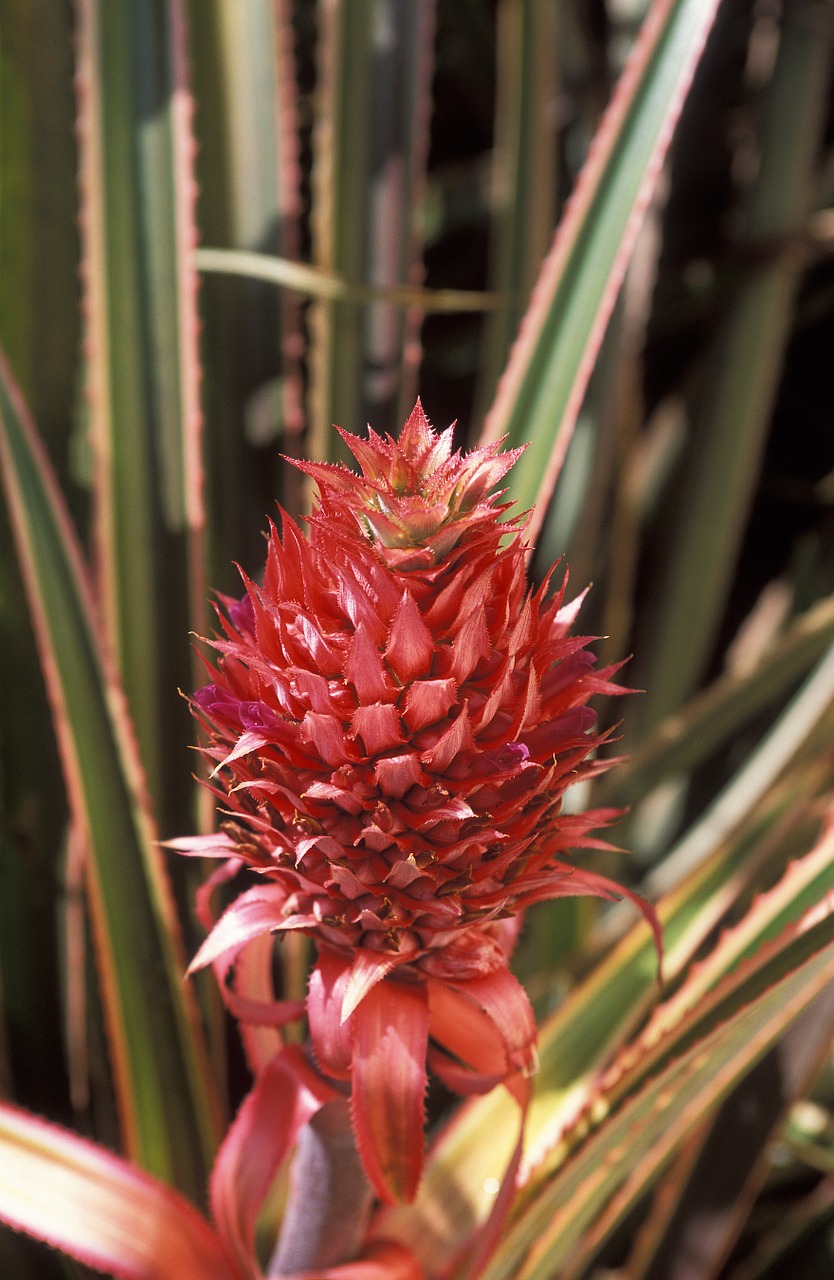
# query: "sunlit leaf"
80,1198
627,1150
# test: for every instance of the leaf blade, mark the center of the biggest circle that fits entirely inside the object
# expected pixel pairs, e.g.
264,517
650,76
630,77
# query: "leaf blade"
142,366
167,1103
629,1149
82,1199
540,393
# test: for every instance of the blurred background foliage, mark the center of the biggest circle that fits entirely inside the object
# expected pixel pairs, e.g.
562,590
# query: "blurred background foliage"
408,162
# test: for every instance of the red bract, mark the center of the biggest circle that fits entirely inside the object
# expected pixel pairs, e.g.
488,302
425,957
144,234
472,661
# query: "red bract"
394,719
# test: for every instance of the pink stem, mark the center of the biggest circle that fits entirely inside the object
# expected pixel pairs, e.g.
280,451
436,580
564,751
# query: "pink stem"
329,1200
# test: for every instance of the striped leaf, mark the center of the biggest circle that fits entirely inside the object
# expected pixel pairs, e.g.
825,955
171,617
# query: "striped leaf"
704,1060
137,197
541,391
165,1098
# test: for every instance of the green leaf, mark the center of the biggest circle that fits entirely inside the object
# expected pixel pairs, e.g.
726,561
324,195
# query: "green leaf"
691,1012
806,882
787,742
737,389
524,179
732,1160
685,739
627,1150
247,124
137,197
39,329
315,282
166,1101
370,149
38,237
541,391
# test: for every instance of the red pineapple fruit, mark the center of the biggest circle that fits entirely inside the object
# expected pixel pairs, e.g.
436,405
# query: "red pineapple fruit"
394,718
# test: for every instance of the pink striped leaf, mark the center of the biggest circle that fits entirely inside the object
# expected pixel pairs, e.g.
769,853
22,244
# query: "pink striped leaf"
99,1209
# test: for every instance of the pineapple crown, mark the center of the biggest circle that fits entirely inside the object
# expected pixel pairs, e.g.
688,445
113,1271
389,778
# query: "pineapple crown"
415,494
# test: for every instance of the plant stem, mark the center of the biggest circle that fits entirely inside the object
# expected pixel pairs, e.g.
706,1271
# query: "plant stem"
330,1198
